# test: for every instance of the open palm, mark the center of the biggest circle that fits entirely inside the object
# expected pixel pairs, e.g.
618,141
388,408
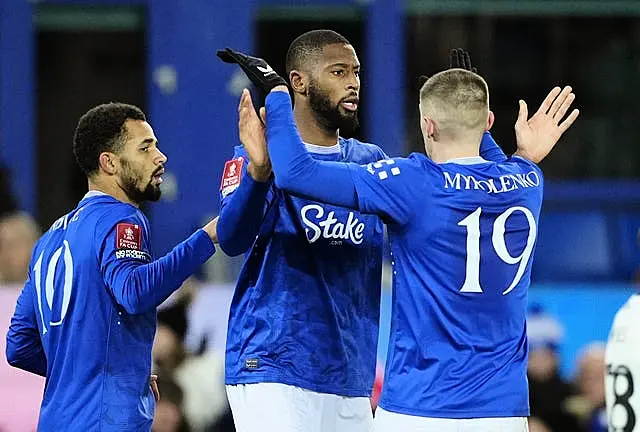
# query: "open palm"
252,131
536,137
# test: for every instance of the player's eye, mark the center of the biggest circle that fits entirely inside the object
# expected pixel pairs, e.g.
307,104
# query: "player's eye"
357,73
145,149
338,72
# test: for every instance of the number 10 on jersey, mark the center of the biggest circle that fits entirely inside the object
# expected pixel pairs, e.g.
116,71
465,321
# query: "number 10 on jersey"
49,279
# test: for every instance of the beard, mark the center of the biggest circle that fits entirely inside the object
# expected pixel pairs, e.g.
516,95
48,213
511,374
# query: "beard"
130,182
330,116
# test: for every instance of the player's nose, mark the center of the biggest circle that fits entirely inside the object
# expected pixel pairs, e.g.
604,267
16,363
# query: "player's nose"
161,158
353,83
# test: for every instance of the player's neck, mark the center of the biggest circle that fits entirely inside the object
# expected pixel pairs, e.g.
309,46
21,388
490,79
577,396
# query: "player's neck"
310,131
110,188
442,152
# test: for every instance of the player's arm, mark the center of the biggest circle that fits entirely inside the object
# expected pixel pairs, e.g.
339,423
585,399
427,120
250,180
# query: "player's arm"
137,283
24,347
490,150
295,170
242,204
375,188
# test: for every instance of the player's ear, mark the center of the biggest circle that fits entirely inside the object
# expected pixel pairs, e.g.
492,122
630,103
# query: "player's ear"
429,127
423,126
490,120
426,126
107,162
299,82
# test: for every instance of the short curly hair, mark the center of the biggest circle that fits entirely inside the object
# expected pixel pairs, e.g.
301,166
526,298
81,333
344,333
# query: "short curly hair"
102,129
306,47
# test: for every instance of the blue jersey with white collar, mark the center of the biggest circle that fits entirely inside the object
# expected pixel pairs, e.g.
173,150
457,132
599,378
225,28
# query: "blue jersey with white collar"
86,318
463,236
306,306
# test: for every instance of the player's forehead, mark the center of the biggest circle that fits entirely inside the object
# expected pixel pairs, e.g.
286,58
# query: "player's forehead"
338,54
139,132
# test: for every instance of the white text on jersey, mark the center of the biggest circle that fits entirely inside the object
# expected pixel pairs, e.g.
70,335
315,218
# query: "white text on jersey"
329,227
65,220
504,183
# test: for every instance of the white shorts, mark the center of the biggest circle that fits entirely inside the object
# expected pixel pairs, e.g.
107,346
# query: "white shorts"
387,421
273,407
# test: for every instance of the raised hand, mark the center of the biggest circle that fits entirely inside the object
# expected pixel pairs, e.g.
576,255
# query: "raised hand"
253,138
459,58
536,136
257,70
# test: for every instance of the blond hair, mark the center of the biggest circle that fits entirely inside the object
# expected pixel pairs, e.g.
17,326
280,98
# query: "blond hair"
458,102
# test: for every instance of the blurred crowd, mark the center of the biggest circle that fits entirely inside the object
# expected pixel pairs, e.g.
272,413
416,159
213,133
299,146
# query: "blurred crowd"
190,368
18,233
188,354
558,405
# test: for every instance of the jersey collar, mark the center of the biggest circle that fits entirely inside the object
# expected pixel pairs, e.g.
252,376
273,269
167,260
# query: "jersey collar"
467,160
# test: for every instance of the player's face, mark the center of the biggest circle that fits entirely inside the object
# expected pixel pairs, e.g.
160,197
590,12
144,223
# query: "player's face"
334,88
141,163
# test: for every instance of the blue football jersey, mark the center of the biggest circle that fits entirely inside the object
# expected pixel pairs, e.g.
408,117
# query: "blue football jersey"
306,307
86,318
462,236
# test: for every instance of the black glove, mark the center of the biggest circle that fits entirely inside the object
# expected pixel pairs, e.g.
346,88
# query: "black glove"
460,59
257,70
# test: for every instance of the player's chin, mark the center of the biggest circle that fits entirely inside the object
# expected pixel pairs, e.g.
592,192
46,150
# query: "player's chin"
153,193
349,123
